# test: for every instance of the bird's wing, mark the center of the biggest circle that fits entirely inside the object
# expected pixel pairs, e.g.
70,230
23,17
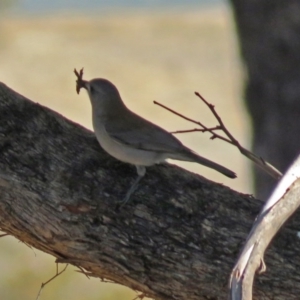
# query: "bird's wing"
139,133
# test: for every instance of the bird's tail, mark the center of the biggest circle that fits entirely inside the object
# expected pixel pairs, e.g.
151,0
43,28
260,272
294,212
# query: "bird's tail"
191,156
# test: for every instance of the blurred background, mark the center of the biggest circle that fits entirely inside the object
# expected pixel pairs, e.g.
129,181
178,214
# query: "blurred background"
151,50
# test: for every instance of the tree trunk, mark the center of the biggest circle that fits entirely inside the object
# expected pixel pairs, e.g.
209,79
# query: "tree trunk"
269,34
177,238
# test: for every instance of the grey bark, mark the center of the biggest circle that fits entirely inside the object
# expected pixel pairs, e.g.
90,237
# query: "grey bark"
269,35
178,238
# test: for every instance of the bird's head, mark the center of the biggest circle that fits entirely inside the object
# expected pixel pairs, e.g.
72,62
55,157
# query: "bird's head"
102,93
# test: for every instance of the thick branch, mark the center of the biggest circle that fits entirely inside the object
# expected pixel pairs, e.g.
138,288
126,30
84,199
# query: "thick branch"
178,238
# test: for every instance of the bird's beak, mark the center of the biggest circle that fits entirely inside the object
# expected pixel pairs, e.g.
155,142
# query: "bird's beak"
81,84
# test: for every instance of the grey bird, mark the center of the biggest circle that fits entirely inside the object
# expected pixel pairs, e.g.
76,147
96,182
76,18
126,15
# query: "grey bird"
129,137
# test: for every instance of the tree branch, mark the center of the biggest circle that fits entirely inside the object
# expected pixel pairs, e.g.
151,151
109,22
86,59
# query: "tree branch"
177,239
259,161
283,202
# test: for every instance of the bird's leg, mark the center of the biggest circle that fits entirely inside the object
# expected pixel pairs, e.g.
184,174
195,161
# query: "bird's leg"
141,170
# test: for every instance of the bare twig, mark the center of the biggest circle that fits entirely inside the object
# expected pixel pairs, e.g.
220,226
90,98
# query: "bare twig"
195,122
52,278
178,114
195,130
271,170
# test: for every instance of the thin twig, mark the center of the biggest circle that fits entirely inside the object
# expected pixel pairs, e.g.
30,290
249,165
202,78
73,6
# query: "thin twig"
56,275
259,161
178,114
271,170
195,130
214,135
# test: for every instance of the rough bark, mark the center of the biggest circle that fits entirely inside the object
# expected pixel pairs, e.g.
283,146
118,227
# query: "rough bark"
178,238
269,34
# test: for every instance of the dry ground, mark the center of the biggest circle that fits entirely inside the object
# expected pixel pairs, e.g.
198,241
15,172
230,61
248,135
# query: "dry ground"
163,56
